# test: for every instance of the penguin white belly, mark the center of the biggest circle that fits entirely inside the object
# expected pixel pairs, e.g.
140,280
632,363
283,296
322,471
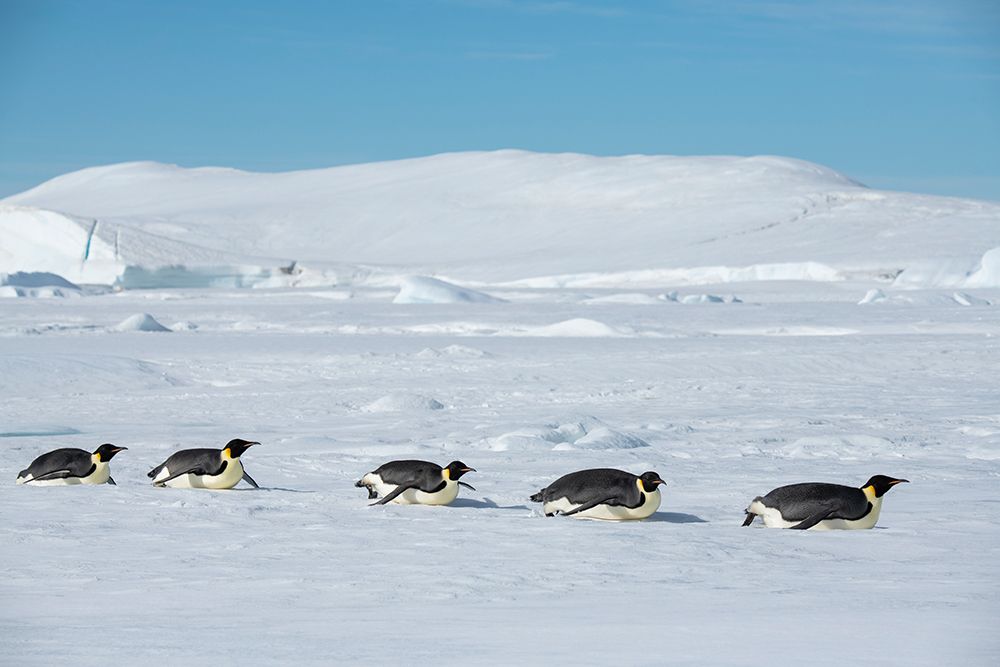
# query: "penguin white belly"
773,519
229,478
100,475
651,502
412,496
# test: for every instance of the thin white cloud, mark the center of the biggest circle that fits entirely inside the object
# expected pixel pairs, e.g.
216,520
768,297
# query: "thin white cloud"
508,55
913,17
598,9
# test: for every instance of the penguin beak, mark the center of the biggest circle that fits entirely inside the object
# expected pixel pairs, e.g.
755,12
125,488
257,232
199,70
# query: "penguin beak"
898,481
469,470
120,449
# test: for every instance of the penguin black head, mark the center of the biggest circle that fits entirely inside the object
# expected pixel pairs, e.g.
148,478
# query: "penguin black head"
237,446
107,451
881,483
455,470
650,480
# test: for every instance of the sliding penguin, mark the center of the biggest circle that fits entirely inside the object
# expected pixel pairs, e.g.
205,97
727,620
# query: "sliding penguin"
204,468
602,493
821,506
415,482
62,467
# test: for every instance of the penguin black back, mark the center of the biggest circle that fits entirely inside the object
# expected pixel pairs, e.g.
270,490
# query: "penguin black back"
68,463
822,505
581,486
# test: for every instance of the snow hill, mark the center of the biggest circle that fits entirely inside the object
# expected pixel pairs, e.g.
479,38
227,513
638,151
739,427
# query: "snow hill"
505,217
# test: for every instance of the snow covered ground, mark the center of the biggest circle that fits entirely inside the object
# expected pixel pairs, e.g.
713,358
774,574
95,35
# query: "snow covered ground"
725,401
726,388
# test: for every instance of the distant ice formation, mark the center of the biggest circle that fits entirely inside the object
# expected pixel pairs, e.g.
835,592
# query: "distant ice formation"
514,218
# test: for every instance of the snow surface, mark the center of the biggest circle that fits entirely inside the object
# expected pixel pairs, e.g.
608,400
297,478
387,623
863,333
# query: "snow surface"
589,363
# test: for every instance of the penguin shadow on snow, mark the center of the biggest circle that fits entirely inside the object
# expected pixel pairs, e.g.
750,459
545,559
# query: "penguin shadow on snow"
270,488
673,517
485,503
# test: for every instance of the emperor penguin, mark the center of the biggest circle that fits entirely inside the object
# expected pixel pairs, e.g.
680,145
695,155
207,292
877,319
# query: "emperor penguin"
415,482
204,468
602,493
69,465
821,506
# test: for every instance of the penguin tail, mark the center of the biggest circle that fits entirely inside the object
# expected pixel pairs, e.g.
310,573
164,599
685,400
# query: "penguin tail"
154,472
538,497
360,483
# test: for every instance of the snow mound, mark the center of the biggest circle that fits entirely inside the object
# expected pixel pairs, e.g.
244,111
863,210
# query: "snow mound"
579,327
454,351
140,322
602,437
843,447
589,433
402,402
421,289
873,296
988,273
964,299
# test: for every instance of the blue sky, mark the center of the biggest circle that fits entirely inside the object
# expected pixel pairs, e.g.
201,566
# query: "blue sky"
900,95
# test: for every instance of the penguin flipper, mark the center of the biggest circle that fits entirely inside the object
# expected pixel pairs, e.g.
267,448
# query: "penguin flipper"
590,504
249,480
392,495
111,481
468,486
195,470
824,512
750,517
52,474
